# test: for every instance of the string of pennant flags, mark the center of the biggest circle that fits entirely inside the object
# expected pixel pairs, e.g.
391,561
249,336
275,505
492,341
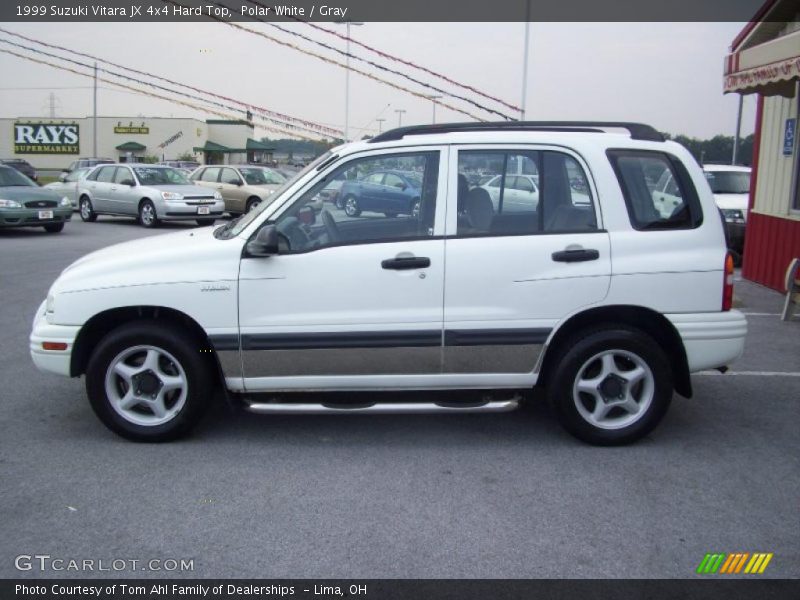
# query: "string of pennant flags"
303,124
374,64
226,115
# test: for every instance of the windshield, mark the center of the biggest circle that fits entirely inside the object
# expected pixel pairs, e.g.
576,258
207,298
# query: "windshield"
12,178
160,176
235,227
261,176
729,182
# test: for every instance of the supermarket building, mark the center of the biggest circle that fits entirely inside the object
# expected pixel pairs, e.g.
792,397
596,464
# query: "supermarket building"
52,144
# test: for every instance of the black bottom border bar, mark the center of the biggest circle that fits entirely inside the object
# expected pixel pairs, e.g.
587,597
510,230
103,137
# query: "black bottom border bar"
390,589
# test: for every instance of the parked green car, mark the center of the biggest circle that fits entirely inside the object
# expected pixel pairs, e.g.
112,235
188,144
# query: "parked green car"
24,204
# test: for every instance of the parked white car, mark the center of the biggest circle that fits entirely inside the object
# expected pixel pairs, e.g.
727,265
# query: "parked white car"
730,185
606,305
519,190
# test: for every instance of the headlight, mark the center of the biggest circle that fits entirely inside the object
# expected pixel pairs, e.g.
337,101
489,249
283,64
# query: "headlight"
217,196
50,306
66,201
733,215
10,204
171,196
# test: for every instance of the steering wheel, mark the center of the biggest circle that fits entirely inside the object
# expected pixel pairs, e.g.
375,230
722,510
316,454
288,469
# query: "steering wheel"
330,227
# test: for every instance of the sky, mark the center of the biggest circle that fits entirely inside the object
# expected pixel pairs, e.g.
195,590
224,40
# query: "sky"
666,74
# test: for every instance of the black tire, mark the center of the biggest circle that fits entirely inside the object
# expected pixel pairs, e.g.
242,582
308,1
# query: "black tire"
351,207
575,360
148,217
166,337
252,203
54,227
205,222
86,210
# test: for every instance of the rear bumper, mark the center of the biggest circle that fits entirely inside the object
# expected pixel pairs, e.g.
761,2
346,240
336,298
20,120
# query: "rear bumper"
51,361
711,340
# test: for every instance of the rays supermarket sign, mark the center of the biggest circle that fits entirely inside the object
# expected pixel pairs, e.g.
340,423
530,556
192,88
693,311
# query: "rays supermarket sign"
46,138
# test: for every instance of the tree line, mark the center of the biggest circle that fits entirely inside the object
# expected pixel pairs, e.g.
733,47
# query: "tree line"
718,149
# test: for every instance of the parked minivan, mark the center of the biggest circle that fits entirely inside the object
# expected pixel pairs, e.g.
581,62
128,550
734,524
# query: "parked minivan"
600,293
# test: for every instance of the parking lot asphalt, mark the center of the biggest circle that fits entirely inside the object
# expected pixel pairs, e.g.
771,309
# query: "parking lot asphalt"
475,496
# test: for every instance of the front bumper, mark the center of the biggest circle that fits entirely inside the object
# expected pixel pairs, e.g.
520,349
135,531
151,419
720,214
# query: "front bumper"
174,211
51,361
711,340
29,217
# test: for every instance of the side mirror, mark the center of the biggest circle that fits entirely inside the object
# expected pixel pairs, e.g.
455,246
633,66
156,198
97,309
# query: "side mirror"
265,243
63,177
234,181
129,182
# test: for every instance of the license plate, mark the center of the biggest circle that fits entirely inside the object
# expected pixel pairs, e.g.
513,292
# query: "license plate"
203,210
45,214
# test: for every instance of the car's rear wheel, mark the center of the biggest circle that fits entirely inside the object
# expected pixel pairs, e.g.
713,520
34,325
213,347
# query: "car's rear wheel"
147,214
87,210
351,207
54,227
611,386
148,382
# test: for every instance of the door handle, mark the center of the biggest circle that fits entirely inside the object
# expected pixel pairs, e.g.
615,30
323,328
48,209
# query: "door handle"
576,255
406,262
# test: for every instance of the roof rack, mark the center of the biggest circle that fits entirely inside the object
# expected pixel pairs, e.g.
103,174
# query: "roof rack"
638,131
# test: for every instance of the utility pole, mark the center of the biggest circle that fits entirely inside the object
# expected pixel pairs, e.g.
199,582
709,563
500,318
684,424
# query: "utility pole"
347,82
94,117
525,60
380,124
738,131
399,112
433,100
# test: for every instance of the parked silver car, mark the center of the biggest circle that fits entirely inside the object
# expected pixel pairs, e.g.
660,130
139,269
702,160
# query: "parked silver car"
152,193
67,184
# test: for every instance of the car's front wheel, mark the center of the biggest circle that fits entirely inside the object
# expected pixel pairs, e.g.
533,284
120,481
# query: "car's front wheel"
351,207
611,385
87,210
252,203
147,214
54,227
148,382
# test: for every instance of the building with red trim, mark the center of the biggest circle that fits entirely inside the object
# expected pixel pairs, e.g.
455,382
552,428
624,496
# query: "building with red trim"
764,59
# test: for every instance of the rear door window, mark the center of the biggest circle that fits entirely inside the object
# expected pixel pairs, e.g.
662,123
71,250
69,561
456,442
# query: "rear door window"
658,191
520,192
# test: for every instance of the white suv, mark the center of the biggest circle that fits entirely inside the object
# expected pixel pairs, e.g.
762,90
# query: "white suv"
593,292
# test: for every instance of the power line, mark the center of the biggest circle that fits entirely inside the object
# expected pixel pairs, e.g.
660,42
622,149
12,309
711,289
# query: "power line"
374,64
328,60
408,63
309,125
226,115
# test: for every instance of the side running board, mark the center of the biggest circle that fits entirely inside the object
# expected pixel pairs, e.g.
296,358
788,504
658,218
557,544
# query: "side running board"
294,408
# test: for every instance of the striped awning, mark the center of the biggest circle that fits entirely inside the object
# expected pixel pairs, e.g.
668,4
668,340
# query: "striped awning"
770,69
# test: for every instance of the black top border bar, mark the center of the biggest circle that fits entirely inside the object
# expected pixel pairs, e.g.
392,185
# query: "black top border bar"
638,131
441,11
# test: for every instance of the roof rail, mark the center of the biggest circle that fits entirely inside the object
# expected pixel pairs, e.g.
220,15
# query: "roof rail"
638,131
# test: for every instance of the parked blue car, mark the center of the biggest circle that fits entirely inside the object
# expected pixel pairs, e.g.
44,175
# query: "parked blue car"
389,192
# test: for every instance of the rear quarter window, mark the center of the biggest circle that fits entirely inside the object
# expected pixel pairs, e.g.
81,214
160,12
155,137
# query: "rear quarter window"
658,191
